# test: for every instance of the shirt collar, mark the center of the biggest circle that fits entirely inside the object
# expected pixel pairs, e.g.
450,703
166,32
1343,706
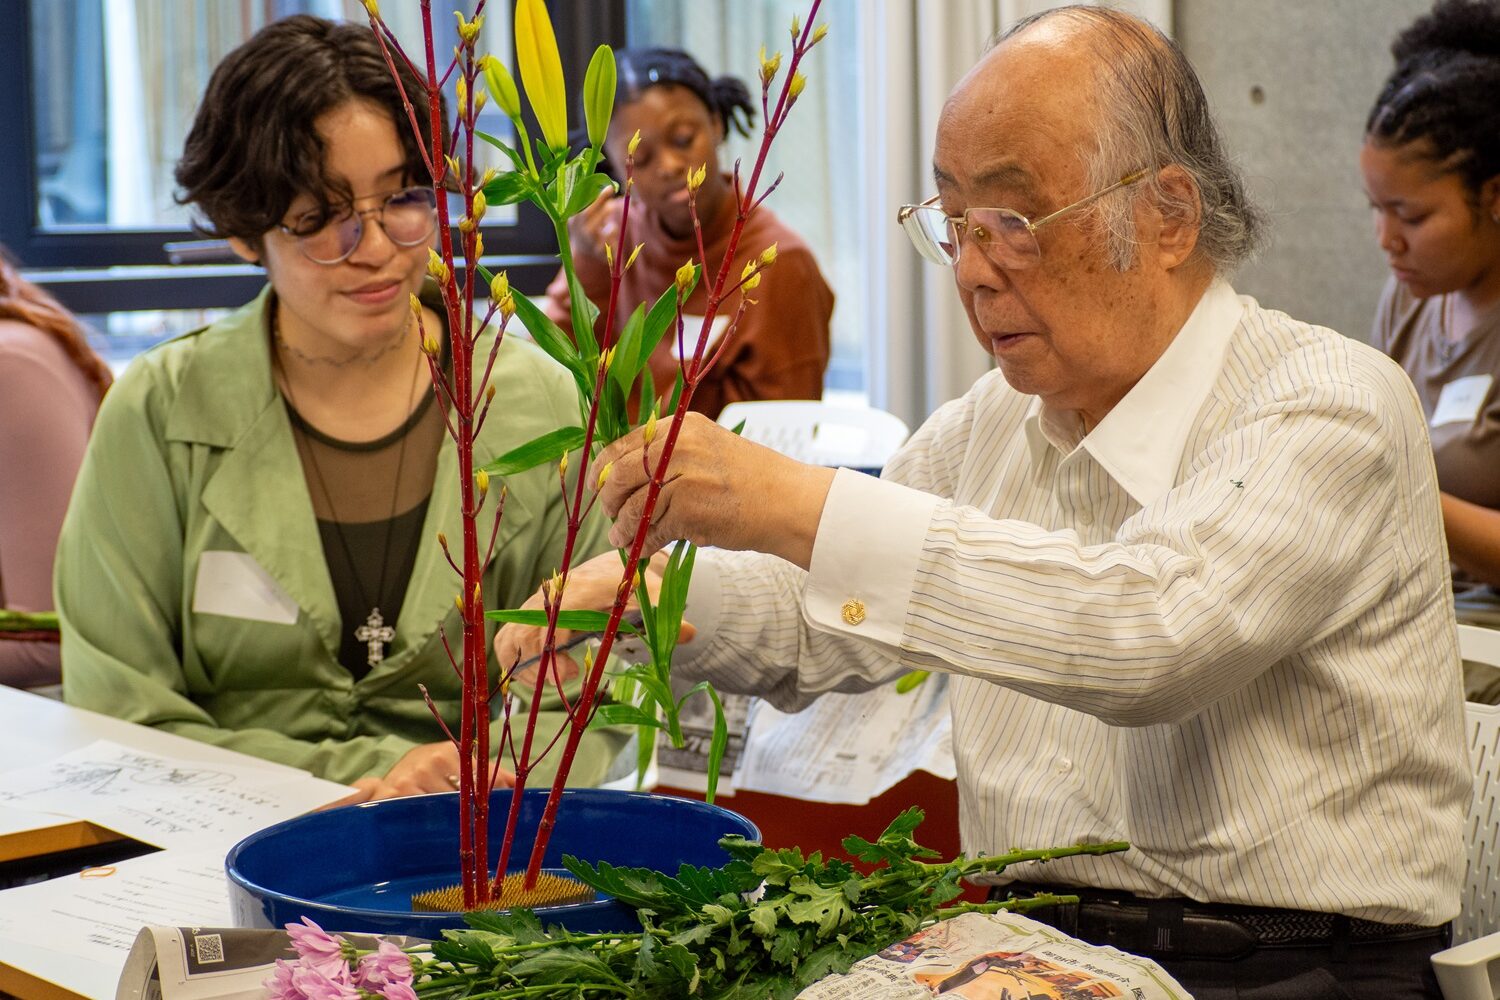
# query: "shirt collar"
1139,442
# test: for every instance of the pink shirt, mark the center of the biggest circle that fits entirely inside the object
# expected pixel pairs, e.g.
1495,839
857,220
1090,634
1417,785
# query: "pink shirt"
47,408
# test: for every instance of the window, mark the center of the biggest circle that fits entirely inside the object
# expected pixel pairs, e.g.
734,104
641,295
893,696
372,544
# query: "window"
822,195
103,92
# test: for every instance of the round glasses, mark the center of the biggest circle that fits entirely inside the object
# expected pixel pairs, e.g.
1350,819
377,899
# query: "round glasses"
329,235
1005,236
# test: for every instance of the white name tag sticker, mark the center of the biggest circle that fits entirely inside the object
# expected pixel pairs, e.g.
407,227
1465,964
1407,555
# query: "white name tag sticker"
1461,400
691,327
234,585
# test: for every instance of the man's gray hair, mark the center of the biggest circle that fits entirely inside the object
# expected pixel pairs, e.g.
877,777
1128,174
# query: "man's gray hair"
1152,113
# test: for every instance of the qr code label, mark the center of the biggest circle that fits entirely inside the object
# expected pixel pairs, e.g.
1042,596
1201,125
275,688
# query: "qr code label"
209,948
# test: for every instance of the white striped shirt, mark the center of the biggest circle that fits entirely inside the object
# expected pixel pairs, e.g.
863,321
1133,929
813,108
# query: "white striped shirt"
1218,627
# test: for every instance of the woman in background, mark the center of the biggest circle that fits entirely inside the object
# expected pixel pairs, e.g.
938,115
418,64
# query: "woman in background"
251,556
1431,165
780,350
50,388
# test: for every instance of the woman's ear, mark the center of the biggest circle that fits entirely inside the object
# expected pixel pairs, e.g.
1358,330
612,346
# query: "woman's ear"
244,251
1489,198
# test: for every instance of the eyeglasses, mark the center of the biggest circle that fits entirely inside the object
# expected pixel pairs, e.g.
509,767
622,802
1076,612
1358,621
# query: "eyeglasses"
329,235
1005,236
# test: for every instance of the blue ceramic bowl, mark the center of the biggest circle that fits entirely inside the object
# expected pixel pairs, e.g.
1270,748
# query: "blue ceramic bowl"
355,869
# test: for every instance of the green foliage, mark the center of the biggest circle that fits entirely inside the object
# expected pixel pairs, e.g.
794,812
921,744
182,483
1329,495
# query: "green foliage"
767,924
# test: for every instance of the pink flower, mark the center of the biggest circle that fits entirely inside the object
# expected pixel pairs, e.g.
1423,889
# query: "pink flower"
314,985
280,985
399,991
386,966
319,950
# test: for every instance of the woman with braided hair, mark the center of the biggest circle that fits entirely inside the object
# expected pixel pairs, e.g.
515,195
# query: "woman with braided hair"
1431,165
50,388
780,348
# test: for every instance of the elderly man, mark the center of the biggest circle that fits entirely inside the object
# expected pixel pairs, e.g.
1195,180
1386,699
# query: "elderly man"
1182,554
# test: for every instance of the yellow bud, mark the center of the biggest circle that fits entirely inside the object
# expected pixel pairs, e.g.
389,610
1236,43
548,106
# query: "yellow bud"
499,287
609,358
648,433
798,82
488,175
416,306
635,141
796,27
435,266
372,8
768,255
556,584
685,275
458,601
588,659
466,225
482,480
489,393
481,98
751,283
453,165
478,245
609,256
461,88
633,255
562,465
442,539
604,475
695,177
508,306
819,33
769,67
480,206
431,346
478,593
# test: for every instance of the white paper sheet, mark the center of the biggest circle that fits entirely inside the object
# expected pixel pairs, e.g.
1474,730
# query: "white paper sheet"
165,801
94,917
848,748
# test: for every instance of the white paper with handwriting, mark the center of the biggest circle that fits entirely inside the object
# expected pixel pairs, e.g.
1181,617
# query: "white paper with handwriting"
166,801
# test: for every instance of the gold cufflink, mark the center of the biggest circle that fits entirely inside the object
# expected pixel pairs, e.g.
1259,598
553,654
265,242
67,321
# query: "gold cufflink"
854,612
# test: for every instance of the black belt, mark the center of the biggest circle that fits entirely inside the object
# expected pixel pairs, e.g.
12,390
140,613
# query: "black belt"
1187,929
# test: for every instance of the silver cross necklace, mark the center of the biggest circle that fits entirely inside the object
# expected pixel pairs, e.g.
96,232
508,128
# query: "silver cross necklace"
374,632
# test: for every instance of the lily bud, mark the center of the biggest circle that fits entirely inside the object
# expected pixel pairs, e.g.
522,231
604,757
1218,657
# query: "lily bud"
796,27
685,275
482,480
604,475
696,176
479,206
499,287
799,81
430,345
633,255
502,87
819,33
436,268
508,306
648,433
635,141
769,67
768,255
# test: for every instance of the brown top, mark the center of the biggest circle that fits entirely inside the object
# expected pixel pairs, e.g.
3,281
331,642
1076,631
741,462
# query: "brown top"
47,408
1463,417
780,349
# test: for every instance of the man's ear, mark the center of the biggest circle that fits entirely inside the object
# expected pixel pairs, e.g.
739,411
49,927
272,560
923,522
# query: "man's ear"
244,251
1179,215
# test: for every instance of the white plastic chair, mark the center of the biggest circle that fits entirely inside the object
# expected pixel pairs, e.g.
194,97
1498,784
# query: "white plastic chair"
820,433
1469,971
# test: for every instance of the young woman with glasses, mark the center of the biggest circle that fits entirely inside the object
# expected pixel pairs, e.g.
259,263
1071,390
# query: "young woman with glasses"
252,554
1431,165
780,348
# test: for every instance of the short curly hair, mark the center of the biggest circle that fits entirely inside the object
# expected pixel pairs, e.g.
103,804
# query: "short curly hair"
1443,89
254,146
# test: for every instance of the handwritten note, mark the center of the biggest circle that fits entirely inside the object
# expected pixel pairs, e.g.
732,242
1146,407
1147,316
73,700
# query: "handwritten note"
165,801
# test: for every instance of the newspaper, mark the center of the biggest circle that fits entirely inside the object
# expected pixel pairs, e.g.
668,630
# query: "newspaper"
212,963
997,955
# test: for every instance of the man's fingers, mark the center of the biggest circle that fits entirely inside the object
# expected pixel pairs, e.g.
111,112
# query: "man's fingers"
364,788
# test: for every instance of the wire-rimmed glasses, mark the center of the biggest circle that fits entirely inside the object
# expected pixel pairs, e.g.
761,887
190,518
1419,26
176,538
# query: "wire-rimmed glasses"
329,235
1005,236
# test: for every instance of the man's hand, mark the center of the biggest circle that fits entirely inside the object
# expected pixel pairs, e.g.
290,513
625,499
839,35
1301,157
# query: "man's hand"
721,490
431,767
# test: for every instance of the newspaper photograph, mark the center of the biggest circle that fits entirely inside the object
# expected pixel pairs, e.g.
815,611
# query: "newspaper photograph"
998,956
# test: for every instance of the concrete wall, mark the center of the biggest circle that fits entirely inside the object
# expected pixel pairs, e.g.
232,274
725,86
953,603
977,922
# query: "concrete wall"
1291,82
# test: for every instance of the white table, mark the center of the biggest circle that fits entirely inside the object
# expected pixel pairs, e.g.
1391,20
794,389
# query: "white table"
32,730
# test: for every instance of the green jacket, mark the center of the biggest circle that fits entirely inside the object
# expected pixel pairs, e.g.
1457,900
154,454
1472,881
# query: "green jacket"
193,453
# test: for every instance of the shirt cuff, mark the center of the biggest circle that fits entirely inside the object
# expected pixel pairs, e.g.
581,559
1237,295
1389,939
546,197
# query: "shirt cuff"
864,559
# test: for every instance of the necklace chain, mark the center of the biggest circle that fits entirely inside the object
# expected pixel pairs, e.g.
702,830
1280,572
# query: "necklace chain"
374,632
358,360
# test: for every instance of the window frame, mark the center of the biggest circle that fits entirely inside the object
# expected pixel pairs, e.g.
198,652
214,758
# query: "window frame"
82,265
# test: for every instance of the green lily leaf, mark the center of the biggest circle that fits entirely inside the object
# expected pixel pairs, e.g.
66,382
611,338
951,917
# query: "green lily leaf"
574,621
550,447
509,188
